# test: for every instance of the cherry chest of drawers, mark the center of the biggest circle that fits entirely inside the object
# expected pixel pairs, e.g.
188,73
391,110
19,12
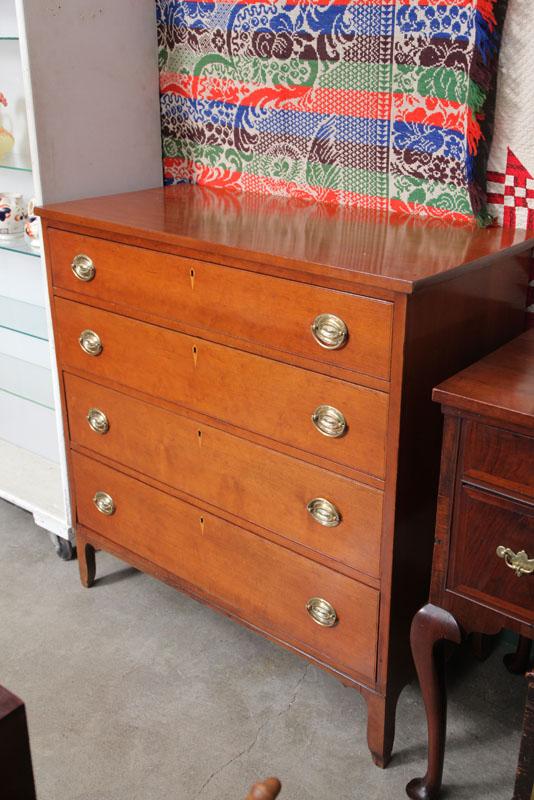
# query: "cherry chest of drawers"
247,398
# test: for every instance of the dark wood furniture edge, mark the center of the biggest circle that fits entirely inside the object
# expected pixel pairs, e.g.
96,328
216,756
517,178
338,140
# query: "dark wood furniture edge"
16,772
524,782
480,411
473,389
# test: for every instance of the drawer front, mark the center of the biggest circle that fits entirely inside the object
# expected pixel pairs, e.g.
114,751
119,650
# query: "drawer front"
269,311
257,484
259,581
498,456
251,392
484,522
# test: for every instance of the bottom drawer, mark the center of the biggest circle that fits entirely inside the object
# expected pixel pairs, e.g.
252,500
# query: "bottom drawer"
258,581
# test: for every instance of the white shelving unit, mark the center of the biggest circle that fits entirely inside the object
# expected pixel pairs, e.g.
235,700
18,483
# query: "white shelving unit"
81,81
30,451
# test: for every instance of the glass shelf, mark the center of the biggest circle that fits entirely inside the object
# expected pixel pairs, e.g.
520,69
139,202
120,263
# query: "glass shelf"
27,381
20,246
23,318
9,38
16,161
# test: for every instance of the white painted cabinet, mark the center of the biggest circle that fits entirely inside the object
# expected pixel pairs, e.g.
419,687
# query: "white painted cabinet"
81,81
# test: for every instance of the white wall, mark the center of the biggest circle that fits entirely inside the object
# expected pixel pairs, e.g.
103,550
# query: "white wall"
95,85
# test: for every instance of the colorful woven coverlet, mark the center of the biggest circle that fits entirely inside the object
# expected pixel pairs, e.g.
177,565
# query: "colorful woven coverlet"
373,103
511,163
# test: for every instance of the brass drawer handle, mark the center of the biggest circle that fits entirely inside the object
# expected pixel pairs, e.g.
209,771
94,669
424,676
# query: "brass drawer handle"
90,343
329,331
324,512
98,421
322,612
519,562
83,268
104,503
329,421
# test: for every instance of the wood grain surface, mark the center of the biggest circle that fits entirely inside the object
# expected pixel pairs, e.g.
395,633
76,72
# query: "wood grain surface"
483,521
263,396
500,386
244,305
204,302
392,252
254,578
251,482
501,459
485,502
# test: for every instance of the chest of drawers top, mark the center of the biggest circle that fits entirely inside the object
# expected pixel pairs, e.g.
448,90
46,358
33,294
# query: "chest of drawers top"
309,242
499,387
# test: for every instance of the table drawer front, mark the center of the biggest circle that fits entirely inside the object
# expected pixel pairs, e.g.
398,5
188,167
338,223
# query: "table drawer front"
498,456
259,485
261,582
484,522
261,309
251,392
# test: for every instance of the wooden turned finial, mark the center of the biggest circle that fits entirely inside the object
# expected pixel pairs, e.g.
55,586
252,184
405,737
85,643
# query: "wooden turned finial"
265,790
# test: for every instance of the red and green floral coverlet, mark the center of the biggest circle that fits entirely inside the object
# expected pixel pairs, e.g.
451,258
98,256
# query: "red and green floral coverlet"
373,103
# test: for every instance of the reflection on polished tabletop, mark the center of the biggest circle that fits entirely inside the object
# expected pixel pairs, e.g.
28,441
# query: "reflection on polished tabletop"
388,251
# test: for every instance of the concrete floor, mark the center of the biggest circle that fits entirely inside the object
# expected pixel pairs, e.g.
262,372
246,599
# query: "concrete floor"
135,692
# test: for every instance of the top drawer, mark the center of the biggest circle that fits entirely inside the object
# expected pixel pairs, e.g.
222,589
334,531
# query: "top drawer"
499,457
261,309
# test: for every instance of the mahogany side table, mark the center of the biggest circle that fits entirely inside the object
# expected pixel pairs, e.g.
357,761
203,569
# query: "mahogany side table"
483,566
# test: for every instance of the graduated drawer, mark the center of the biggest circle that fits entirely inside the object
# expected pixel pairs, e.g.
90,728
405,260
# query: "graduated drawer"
260,582
257,484
261,309
499,457
266,397
484,522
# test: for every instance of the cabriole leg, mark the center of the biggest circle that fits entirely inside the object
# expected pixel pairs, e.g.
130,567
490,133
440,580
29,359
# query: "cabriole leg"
518,663
432,626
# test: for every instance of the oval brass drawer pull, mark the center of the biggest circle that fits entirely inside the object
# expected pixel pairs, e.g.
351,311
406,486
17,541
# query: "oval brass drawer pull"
322,612
90,343
324,512
329,331
519,562
98,421
83,268
329,421
104,503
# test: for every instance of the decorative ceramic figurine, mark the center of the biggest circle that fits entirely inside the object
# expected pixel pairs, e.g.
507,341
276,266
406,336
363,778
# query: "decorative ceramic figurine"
32,225
7,139
12,215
